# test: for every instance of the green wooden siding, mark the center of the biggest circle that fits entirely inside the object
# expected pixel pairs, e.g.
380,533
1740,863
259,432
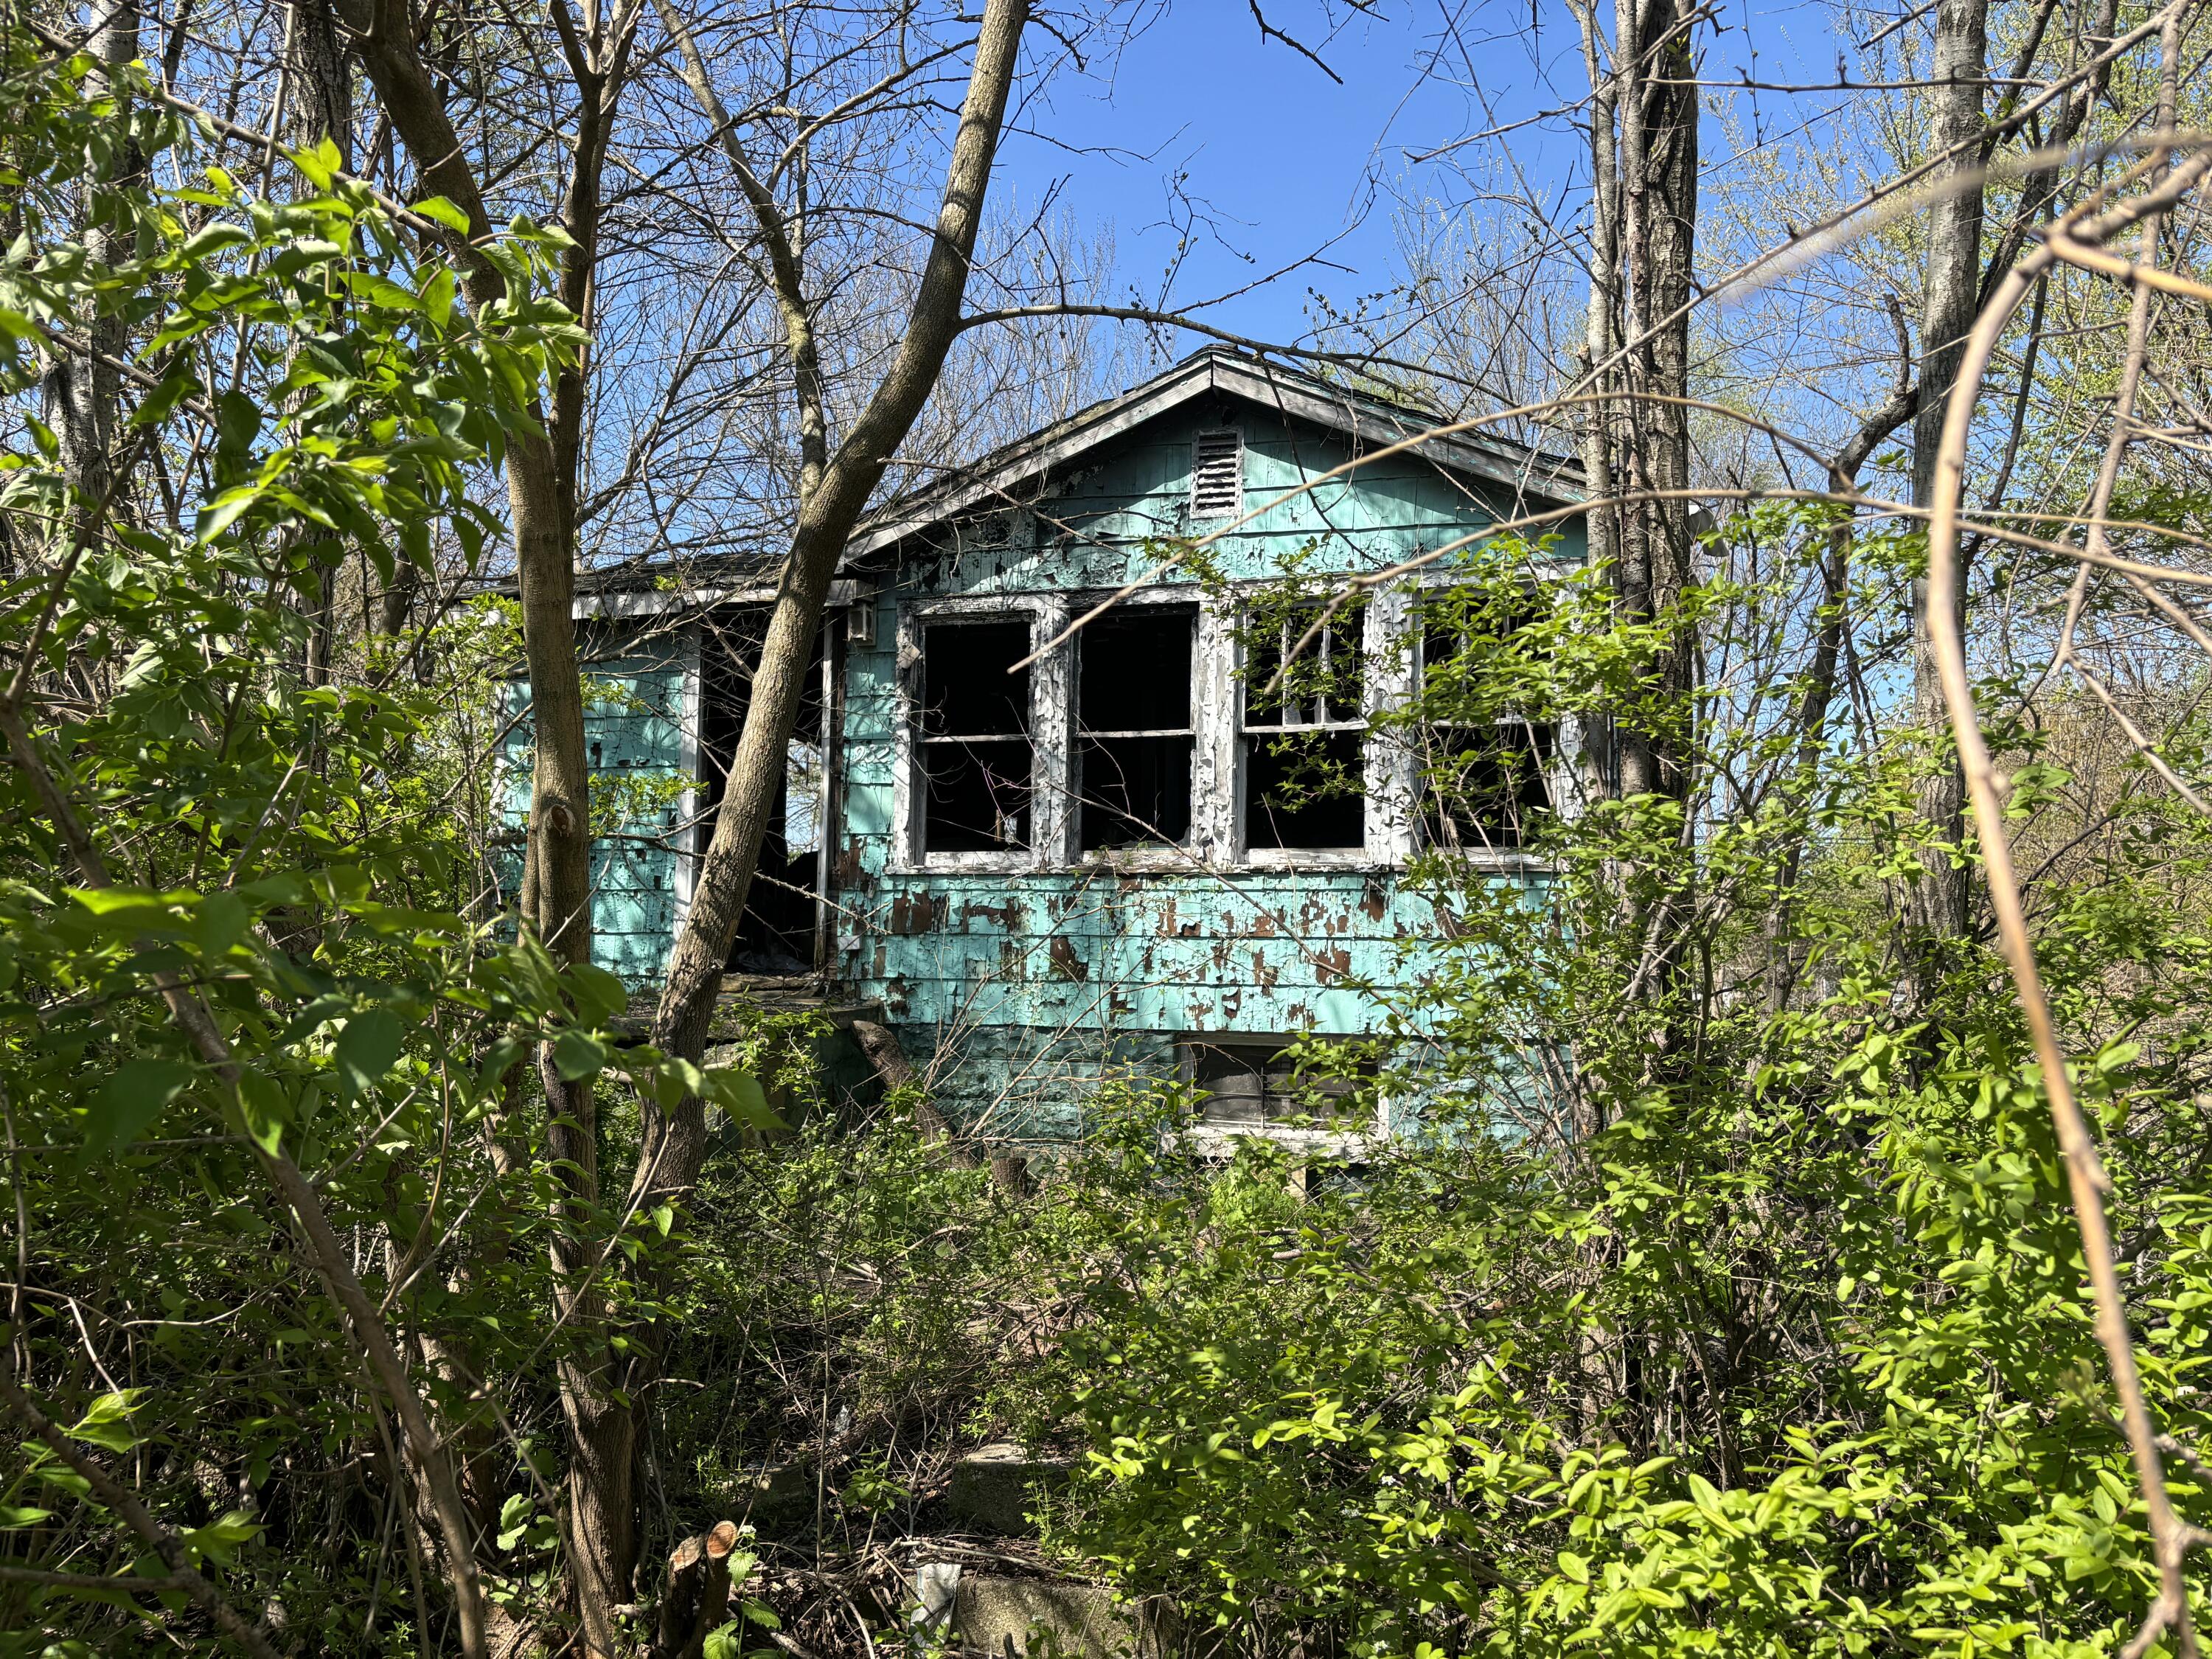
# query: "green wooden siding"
635,739
1040,983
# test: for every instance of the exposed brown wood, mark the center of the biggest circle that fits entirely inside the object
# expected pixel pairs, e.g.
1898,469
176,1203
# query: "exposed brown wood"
884,1053
696,1599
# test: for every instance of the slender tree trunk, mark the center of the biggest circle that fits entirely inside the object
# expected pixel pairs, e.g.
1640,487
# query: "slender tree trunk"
1637,442
600,1525
81,392
320,81
675,1141
1950,297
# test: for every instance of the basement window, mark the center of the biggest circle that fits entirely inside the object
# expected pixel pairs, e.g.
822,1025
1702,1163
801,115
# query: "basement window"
1252,1084
1303,741
977,761
1135,729
1486,773
1217,475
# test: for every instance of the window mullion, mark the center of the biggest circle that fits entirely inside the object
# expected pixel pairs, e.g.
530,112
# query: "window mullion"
1391,767
1214,712
1052,715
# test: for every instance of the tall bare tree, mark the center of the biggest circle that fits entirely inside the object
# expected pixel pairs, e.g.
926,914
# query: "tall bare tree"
836,482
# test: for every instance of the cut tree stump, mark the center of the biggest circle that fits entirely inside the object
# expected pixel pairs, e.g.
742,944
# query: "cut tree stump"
897,1071
697,1599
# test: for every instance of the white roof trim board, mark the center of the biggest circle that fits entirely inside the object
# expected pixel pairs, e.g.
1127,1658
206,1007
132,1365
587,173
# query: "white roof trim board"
656,602
1367,421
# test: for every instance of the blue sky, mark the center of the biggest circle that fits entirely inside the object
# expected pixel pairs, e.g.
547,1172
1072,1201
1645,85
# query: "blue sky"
1285,159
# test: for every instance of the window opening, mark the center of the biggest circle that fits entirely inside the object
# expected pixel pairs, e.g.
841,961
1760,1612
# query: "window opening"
804,778
1217,475
1135,735
1304,744
976,756
1251,1084
1487,771
777,935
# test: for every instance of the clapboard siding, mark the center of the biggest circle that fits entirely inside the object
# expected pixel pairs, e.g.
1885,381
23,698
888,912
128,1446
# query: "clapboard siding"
1062,978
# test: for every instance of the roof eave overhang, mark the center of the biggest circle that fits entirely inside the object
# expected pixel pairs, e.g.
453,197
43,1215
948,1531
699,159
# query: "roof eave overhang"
1024,463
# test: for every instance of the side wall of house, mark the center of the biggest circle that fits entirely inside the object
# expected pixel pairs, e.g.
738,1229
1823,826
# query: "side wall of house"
1021,989
639,740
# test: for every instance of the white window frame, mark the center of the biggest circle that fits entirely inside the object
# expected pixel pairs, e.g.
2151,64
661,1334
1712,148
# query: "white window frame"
1049,718
1388,826
1391,770
1218,1141
1564,779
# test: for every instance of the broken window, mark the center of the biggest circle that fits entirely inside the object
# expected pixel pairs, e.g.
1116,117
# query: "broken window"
975,758
1134,732
804,779
1488,769
1255,1082
1304,731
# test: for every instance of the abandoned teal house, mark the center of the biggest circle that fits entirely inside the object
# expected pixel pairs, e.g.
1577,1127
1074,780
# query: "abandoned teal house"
1046,858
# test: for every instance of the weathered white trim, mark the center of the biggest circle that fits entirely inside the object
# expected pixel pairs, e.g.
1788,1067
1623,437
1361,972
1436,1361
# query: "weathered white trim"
690,740
1055,824
1048,717
621,606
1215,805
1391,769
1000,478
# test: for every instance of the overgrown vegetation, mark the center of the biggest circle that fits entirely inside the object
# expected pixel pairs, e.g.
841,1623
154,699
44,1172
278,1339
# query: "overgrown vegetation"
1723,1291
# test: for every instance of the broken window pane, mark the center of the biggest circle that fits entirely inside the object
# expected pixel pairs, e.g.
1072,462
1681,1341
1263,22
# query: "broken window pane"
976,759
1488,770
1256,1081
1134,735
1304,732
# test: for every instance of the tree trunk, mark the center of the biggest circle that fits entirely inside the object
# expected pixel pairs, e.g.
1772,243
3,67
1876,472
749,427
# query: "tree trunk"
600,1526
81,392
1949,299
675,1141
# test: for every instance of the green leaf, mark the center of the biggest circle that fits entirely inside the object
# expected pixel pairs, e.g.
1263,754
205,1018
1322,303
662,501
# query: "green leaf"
577,1054
12,1517
108,1422
722,1643
440,210
127,1104
266,1108
237,424
365,1051
597,994
739,1094
214,520
515,1517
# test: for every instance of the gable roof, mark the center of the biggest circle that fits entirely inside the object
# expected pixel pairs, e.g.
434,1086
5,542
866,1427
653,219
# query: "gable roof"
1369,421
640,587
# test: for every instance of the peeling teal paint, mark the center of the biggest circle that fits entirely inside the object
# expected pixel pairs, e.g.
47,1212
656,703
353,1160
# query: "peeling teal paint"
1051,980
634,740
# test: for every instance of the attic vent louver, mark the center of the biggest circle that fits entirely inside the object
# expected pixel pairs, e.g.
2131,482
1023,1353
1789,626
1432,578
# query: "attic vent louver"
1217,475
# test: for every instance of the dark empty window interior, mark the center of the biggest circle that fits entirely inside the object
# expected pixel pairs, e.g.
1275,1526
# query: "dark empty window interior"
777,935
1488,774
973,741
1304,732
1257,1082
1134,737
